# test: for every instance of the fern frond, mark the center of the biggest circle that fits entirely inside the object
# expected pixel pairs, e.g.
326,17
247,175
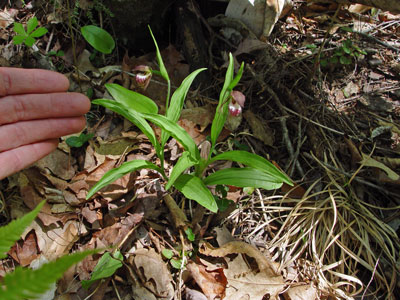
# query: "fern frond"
12,232
25,283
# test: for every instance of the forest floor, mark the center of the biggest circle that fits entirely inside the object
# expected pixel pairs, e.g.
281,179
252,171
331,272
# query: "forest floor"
322,103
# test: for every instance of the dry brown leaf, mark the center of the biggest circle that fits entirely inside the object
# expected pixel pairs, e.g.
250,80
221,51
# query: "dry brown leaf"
296,191
302,292
55,242
30,183
236,247
259,128
194,295
370,162
248,45
244,283
194,132
7,17
201,115
59,163
212,283
115,147
89,215
25,252
154,273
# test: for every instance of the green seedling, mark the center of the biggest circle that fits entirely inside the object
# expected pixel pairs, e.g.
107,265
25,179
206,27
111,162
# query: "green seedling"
58,53
177,263
190,173
78,141
29,36
106,267
346,53
189,234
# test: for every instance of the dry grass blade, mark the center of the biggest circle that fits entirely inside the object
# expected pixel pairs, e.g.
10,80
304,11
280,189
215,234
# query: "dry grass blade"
338,232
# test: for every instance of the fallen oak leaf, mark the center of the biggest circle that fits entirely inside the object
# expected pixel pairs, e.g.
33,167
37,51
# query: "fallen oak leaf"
212,283
238,247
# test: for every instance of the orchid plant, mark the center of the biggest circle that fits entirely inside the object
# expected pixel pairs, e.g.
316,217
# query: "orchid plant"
189,175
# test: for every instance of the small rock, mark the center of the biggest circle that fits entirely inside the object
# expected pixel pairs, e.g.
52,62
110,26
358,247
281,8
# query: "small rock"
375,62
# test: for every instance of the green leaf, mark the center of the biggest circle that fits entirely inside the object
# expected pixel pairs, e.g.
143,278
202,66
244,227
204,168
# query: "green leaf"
177,100
29,41
311,46
176,263
323,63
105,268
345,60
167,253
237,78
346,28
222,203
190,235
19,28
39,32
163,70
184,162
25,283
133,116
255,161
31,24
193,188
131,99
18,39
175,131
222,109
114,174
98,38
244,177
12,232
334,60
78,141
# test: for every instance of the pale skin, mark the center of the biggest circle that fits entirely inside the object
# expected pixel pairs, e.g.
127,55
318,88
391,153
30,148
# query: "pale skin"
35,111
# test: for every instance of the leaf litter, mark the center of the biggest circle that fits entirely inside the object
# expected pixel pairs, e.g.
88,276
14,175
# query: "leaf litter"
297,246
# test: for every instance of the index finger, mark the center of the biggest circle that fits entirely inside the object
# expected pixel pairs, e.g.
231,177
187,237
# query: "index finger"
23,81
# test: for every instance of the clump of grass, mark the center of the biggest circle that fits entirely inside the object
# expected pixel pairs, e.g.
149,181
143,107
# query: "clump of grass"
339,233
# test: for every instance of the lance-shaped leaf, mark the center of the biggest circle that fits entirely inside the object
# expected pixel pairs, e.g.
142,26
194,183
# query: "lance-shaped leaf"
244,177
254,161
12,232
131,100
237,78
98,38
125,168
25,283
221,112
105,268
184,162
175,131
177,100
163,70
193,188
133,116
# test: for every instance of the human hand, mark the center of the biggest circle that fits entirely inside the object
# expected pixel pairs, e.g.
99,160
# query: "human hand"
35,110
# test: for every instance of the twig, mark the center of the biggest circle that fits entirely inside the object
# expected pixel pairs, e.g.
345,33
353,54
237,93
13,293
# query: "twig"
370,281
313,122
289,145
115,288
376,40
